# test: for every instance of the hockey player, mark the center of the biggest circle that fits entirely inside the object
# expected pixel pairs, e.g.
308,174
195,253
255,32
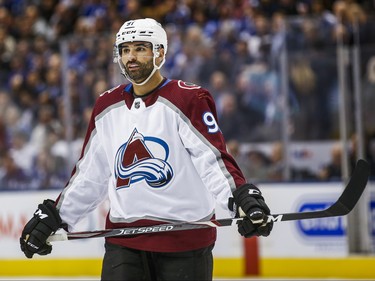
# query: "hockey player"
154,147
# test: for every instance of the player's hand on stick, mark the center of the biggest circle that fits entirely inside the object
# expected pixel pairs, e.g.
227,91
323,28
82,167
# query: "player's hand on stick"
249,203
46,220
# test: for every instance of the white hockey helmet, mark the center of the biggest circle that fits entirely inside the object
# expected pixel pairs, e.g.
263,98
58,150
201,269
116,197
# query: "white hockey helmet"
147,30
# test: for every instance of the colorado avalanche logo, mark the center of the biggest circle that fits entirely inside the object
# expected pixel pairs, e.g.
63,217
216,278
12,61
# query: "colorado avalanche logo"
135,162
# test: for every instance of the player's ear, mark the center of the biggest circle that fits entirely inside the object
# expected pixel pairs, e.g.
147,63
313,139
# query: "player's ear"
159,56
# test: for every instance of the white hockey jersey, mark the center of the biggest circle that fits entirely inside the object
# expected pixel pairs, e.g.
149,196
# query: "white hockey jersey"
160,158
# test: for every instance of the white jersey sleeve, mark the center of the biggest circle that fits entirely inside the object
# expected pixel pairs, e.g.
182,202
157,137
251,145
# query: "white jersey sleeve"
88,185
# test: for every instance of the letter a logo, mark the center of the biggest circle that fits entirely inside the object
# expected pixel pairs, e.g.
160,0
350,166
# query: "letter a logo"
135,162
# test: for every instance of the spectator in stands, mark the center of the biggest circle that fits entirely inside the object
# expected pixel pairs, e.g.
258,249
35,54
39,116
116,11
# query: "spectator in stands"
22,152
49,171
233,37
260,43
45,123
12,177
368,87
261,101
303,83
241,58
4,103
234,149
189,61
276,166
257,166
12,121
230,119
332,170
7,49
219,84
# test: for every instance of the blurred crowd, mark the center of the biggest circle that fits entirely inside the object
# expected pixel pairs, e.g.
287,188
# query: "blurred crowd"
56,58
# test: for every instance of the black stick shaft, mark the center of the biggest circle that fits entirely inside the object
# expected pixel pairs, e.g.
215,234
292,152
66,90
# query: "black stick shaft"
341,207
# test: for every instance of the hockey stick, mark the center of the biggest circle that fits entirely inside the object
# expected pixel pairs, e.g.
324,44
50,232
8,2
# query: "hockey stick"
341,207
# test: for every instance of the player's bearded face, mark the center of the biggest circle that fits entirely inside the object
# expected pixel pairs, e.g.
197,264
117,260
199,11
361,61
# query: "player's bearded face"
141,72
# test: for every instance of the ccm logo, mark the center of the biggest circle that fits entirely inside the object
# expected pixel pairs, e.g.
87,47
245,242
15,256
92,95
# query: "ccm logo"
274,218
40,214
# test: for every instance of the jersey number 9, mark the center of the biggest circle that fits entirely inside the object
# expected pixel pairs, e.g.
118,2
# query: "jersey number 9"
209,120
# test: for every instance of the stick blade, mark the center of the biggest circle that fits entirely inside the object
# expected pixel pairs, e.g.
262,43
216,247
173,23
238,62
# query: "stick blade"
346,202
354,188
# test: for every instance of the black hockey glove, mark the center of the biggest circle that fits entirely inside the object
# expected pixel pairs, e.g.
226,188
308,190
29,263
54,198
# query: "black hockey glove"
248,202
46,220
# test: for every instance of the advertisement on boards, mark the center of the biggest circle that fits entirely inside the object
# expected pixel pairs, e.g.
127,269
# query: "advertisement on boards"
324,237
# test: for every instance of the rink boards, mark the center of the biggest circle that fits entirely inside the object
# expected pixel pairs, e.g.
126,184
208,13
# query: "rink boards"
313,248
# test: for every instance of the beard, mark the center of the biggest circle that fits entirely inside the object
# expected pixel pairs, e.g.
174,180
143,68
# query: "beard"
142,73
